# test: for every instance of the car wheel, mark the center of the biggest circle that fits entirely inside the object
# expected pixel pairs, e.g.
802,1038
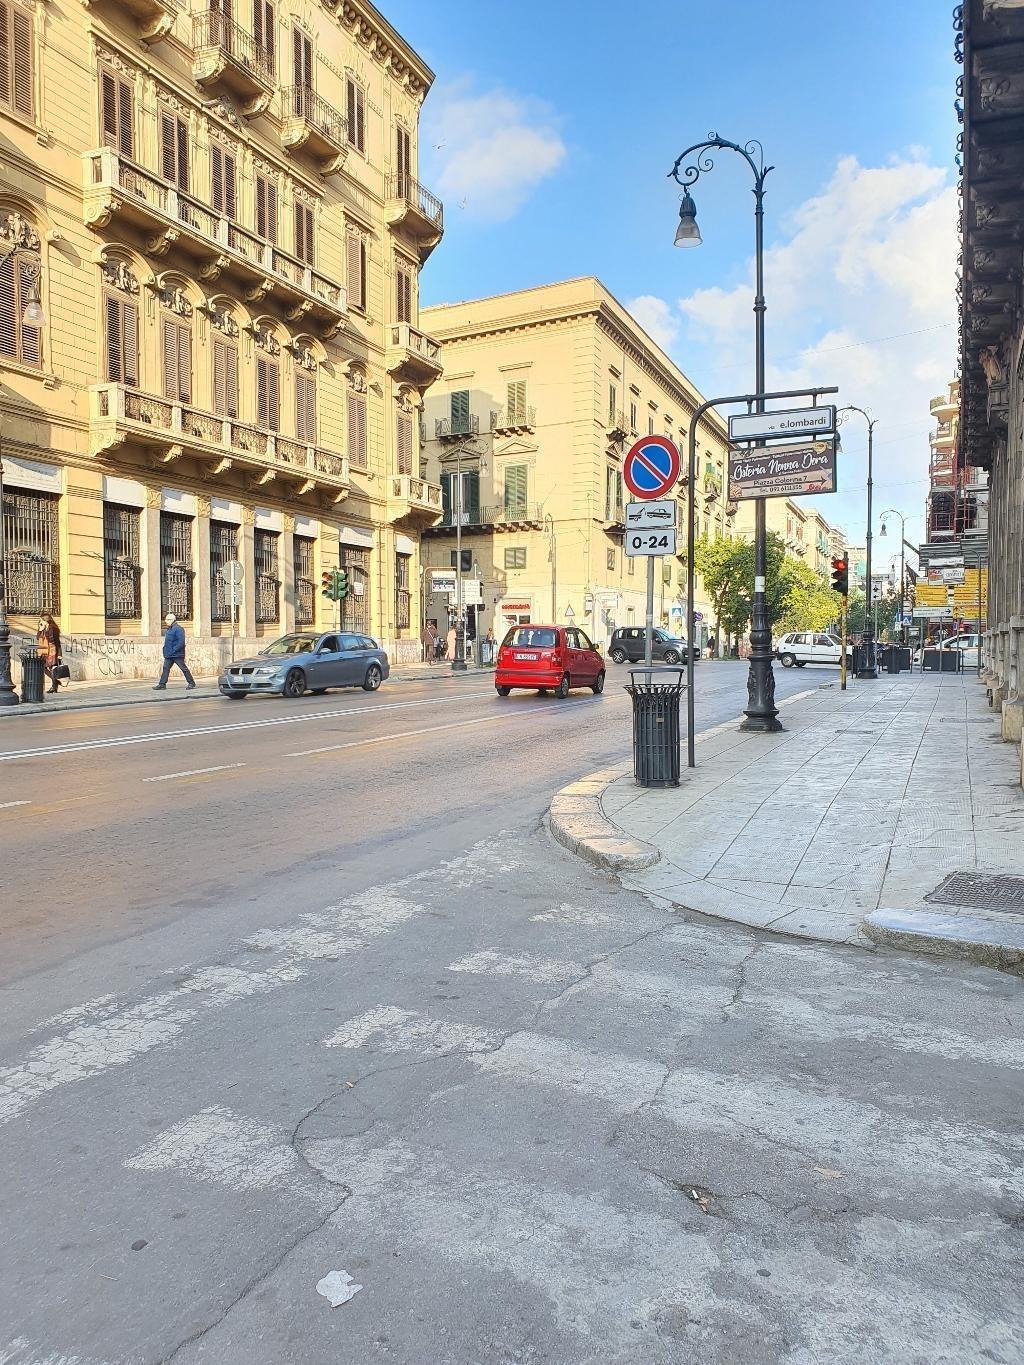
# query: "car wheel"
318,691
671,657
787,660
503,691
373,678
598,684
562,690
294,683
236,696
618,656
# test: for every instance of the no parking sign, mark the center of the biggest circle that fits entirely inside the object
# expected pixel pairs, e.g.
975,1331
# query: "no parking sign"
651,467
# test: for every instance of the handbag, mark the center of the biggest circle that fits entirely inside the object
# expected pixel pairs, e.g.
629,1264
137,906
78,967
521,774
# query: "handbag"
60,672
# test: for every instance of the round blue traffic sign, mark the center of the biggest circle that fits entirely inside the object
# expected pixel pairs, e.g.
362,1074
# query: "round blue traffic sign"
651,467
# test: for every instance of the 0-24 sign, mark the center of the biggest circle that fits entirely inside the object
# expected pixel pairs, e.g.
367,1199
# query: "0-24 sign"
651,542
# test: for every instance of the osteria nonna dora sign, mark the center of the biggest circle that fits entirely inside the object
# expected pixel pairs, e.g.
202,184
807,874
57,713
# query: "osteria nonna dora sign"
783,471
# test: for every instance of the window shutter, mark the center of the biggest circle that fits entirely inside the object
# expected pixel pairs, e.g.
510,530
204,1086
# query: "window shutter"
217,179
355,102
169,355
515,488
130,343
473,496
231,384
516,400
355,270
404,291
275,398
262,400
460,409
261,205
263,26
305,408
357,447
268,398
168,161
126,119
21,31
8,309
28,266
5,54
230,200
108,108
182,149
402,158
302,59
184,364
405,445
115,370
446,497
304,232
220,378
361,118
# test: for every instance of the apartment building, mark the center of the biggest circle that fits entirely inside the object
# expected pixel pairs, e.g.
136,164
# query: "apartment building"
807,535
216,211
544,392
957,492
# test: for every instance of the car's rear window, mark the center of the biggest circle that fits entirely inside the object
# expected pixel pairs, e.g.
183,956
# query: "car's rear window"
530,637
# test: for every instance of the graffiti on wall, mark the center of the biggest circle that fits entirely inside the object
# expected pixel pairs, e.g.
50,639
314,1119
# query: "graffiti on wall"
111,656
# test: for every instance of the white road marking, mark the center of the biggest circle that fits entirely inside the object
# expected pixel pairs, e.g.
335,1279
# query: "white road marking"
20,1351
330,935
306,716
543,969
573,914
9,805
219,1147
409,734
194,772
398,1030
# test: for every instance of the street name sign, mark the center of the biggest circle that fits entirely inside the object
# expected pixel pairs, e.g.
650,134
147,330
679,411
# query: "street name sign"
783,471
653,542
651,516
782,426
938,613
651,467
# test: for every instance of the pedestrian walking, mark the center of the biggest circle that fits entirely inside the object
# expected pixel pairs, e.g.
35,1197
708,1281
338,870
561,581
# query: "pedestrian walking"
48,648
449,652
487,649
429,641
174,653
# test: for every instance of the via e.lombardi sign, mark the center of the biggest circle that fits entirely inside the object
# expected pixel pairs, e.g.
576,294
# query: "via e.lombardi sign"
783,426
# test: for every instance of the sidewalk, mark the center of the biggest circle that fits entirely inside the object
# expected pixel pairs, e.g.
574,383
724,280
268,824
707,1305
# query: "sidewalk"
88,696
842,828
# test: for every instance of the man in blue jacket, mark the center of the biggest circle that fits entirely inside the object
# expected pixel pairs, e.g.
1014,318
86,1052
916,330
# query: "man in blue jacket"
174,653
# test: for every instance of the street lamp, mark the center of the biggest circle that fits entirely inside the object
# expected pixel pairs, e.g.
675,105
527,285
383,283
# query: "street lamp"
904,546
761,714
34,316
867,668
459,662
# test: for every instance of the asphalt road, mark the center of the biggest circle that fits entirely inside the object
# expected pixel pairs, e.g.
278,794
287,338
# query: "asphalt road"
303,990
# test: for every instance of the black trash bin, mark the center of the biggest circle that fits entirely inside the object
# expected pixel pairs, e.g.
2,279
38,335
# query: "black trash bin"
32,676
656,693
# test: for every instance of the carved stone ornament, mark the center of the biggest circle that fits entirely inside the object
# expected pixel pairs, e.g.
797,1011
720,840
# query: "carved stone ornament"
223,320
223,109
304,357
175,301
202,505
117,275
990,362
266,341
357,380
154,497
114,59
405,402
16,229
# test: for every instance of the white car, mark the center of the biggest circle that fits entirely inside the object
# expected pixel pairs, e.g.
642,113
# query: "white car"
802,647
968,647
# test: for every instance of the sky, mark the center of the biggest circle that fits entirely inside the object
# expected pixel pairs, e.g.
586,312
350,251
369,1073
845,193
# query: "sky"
551,128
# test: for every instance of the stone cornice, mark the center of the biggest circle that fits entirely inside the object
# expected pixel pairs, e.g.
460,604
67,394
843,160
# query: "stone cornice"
374,35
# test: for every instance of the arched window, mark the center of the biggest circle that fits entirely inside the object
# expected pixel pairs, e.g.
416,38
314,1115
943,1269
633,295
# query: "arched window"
176,344
20,265
224,360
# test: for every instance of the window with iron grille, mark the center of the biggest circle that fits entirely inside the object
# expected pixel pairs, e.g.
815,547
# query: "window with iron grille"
515,557
304,583
19,340
610,559
122,572
223,549
355,610
176,572
16,82
30,551
268,582
402,592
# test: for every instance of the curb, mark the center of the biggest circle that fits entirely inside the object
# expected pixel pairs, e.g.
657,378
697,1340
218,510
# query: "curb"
577,820
969,938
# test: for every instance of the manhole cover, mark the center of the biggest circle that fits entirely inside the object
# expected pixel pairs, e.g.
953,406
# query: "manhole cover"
985,890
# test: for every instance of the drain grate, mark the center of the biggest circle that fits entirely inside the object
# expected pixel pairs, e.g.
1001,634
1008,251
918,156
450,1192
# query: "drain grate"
985,890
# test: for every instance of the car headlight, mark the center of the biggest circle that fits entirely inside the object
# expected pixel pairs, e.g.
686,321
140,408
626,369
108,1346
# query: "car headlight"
264,672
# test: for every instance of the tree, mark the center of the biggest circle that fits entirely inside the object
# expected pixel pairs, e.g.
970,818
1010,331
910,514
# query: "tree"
808,603
726,567
884,610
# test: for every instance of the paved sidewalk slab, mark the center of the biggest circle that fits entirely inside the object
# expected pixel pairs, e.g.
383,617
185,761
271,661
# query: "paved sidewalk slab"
840,827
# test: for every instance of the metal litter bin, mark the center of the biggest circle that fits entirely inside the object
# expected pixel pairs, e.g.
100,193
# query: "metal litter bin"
656,693
32,675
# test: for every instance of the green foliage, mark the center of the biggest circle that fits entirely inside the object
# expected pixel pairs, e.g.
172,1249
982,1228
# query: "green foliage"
797,598
808,602
887,609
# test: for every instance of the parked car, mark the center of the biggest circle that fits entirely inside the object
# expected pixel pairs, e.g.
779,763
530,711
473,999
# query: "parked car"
308,659
967,645
548,657
627,642
802,647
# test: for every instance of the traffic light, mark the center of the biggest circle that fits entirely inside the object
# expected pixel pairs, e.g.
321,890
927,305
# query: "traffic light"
841,575
341,584
326,584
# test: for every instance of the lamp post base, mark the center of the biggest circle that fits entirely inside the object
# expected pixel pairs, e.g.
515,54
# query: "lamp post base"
8,696
459,666
761,716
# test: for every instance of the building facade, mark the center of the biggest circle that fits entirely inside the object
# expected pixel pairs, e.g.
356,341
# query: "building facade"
988,40
222,223
544,392
807,536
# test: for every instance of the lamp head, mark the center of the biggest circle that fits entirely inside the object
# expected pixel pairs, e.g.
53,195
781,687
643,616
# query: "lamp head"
687,233
882,531
33,315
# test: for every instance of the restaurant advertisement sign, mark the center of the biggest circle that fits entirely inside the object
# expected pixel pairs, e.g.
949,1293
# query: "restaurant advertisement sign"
783,471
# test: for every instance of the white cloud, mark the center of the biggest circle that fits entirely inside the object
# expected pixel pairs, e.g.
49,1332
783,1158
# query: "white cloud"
657,319
870,259
490,149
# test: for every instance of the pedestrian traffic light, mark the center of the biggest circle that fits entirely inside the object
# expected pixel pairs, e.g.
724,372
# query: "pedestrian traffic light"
341,584
841,575
326,584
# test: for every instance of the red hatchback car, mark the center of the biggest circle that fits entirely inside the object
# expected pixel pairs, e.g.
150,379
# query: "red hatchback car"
543,657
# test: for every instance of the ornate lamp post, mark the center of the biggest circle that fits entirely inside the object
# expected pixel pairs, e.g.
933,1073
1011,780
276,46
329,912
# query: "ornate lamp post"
868,667
761,712
904,545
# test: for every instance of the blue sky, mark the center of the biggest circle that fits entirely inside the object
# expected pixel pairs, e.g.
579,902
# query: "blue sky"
559,121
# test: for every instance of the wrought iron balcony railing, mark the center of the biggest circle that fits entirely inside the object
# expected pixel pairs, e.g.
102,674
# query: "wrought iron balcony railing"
501,514
303,104
214,29
417,197
454,428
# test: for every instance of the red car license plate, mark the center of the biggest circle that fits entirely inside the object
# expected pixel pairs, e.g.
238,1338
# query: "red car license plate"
530,657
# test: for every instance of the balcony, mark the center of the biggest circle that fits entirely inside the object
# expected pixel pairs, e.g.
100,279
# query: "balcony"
618,429
510,516
225,56
412,356
615,518
118,189
155,18
941,403
456,428
509,421
421,502
310,125
998,404
412,207
176,431
941,435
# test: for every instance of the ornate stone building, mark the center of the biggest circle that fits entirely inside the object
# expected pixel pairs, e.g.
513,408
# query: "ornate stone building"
989,41
219,215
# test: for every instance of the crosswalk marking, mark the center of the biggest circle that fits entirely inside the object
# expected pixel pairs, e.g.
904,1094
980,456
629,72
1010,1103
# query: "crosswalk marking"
542,969
398,1030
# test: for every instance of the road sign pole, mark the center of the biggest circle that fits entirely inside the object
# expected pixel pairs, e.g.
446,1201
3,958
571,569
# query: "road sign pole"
842,658
649,631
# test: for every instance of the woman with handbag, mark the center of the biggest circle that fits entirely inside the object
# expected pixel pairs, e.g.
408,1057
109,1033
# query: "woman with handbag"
48,648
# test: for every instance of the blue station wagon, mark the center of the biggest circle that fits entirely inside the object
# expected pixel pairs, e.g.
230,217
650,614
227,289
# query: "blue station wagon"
308,661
